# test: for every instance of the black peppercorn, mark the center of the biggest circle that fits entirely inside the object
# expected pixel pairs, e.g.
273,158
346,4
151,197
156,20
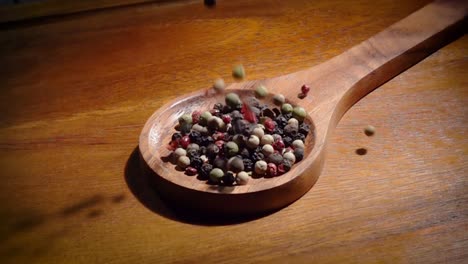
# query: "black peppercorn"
202,150
176,136
235,115
290,130
299,136
196,162
204,171
212,151
229,178
304,129
278,130
248,164
287,141
192,153
275,158
245,153
299,153
206,140
218,106
195,137
281,121
287,164
226,109
256,156
220,163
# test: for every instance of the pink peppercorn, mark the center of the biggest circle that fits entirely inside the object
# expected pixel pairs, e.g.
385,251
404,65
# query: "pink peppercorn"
196,116
269,124
281,169
278,145
305,89
227,119
190,171
219,143
218,136
184,141
173,145
271,169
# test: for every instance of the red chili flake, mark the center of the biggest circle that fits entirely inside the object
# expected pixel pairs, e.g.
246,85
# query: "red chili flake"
269,124
249,115
196,116
184,141
190,171
305,89
227,119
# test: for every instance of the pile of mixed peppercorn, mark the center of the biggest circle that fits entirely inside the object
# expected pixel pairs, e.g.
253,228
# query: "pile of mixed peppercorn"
233,141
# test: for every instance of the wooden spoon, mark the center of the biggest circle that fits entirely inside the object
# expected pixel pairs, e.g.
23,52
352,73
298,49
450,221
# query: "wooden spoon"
336,85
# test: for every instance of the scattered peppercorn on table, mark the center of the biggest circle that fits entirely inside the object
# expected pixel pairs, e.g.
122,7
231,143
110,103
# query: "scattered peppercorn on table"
77,90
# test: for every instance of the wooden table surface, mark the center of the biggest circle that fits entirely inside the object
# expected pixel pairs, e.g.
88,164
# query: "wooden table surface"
77,90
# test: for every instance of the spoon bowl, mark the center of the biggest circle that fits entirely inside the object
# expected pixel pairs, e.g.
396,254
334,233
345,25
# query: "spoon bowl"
336,85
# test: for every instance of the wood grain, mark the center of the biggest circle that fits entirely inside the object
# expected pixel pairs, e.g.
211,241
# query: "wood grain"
347,78
49,8
75,94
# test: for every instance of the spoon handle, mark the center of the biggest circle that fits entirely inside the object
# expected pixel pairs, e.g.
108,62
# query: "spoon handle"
346,78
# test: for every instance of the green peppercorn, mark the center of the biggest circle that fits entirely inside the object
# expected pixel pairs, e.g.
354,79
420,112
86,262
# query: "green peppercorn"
185,119
238,72
235,164
261,91
204,117
231,148
219,85
278,99
299,113
242,178
286,108
369,130
233,100
183,162
179,152
260,167
216,175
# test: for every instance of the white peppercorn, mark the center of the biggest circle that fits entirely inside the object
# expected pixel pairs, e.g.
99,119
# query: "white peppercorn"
267,150
260,167
298,143
242,178
267,139
258,132
253,142
290,157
